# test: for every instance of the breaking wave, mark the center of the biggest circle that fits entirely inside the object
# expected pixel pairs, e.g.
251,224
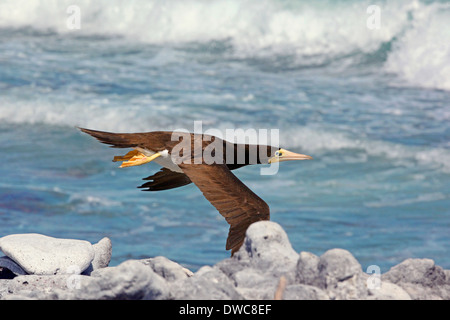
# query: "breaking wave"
413,41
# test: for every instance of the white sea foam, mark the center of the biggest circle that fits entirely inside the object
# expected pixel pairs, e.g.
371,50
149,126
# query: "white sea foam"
86,203
253,27
421,56
311,33
78,114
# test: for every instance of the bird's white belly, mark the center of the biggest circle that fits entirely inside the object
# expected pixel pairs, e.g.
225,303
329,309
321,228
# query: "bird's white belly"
165,160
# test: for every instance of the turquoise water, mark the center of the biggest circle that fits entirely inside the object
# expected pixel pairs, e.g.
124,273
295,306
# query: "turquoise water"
371,106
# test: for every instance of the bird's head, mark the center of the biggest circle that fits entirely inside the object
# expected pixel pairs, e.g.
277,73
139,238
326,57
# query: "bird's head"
285,155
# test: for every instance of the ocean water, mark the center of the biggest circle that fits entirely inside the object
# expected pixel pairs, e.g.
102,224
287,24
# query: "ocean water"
371,105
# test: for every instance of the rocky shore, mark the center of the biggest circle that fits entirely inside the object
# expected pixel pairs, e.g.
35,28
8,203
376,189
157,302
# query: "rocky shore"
266,267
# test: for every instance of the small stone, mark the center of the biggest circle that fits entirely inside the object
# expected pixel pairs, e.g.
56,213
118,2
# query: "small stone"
169,270
340,274
102,255
43,255
307,268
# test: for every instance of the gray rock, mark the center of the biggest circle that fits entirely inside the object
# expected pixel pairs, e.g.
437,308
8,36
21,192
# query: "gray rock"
421,278
169,270
208,283
267,244
102,255
254,272
7,263
447,276
40,287
267,248
265,256
43,255
254,285
234,264
307,268
131,280
304,292
417,271
387,291
341,276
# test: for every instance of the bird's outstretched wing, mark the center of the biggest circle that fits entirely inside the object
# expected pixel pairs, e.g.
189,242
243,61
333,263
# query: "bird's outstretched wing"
165,179
233,199
156,140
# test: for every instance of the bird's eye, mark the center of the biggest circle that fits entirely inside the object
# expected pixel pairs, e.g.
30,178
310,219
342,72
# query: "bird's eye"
278,153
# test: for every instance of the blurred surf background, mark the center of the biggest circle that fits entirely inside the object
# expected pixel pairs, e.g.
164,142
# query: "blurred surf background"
372,106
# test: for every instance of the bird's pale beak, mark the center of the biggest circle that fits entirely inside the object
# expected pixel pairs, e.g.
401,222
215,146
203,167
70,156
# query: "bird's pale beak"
135,158
285,155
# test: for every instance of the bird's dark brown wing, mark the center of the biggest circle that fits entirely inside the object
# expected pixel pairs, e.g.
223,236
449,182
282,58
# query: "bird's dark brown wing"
155,141
165,179
233,199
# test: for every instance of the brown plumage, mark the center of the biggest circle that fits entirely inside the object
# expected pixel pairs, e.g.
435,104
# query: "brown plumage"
234,200
165,179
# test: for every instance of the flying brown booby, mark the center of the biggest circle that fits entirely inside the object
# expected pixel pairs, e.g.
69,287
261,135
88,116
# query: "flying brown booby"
234,200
